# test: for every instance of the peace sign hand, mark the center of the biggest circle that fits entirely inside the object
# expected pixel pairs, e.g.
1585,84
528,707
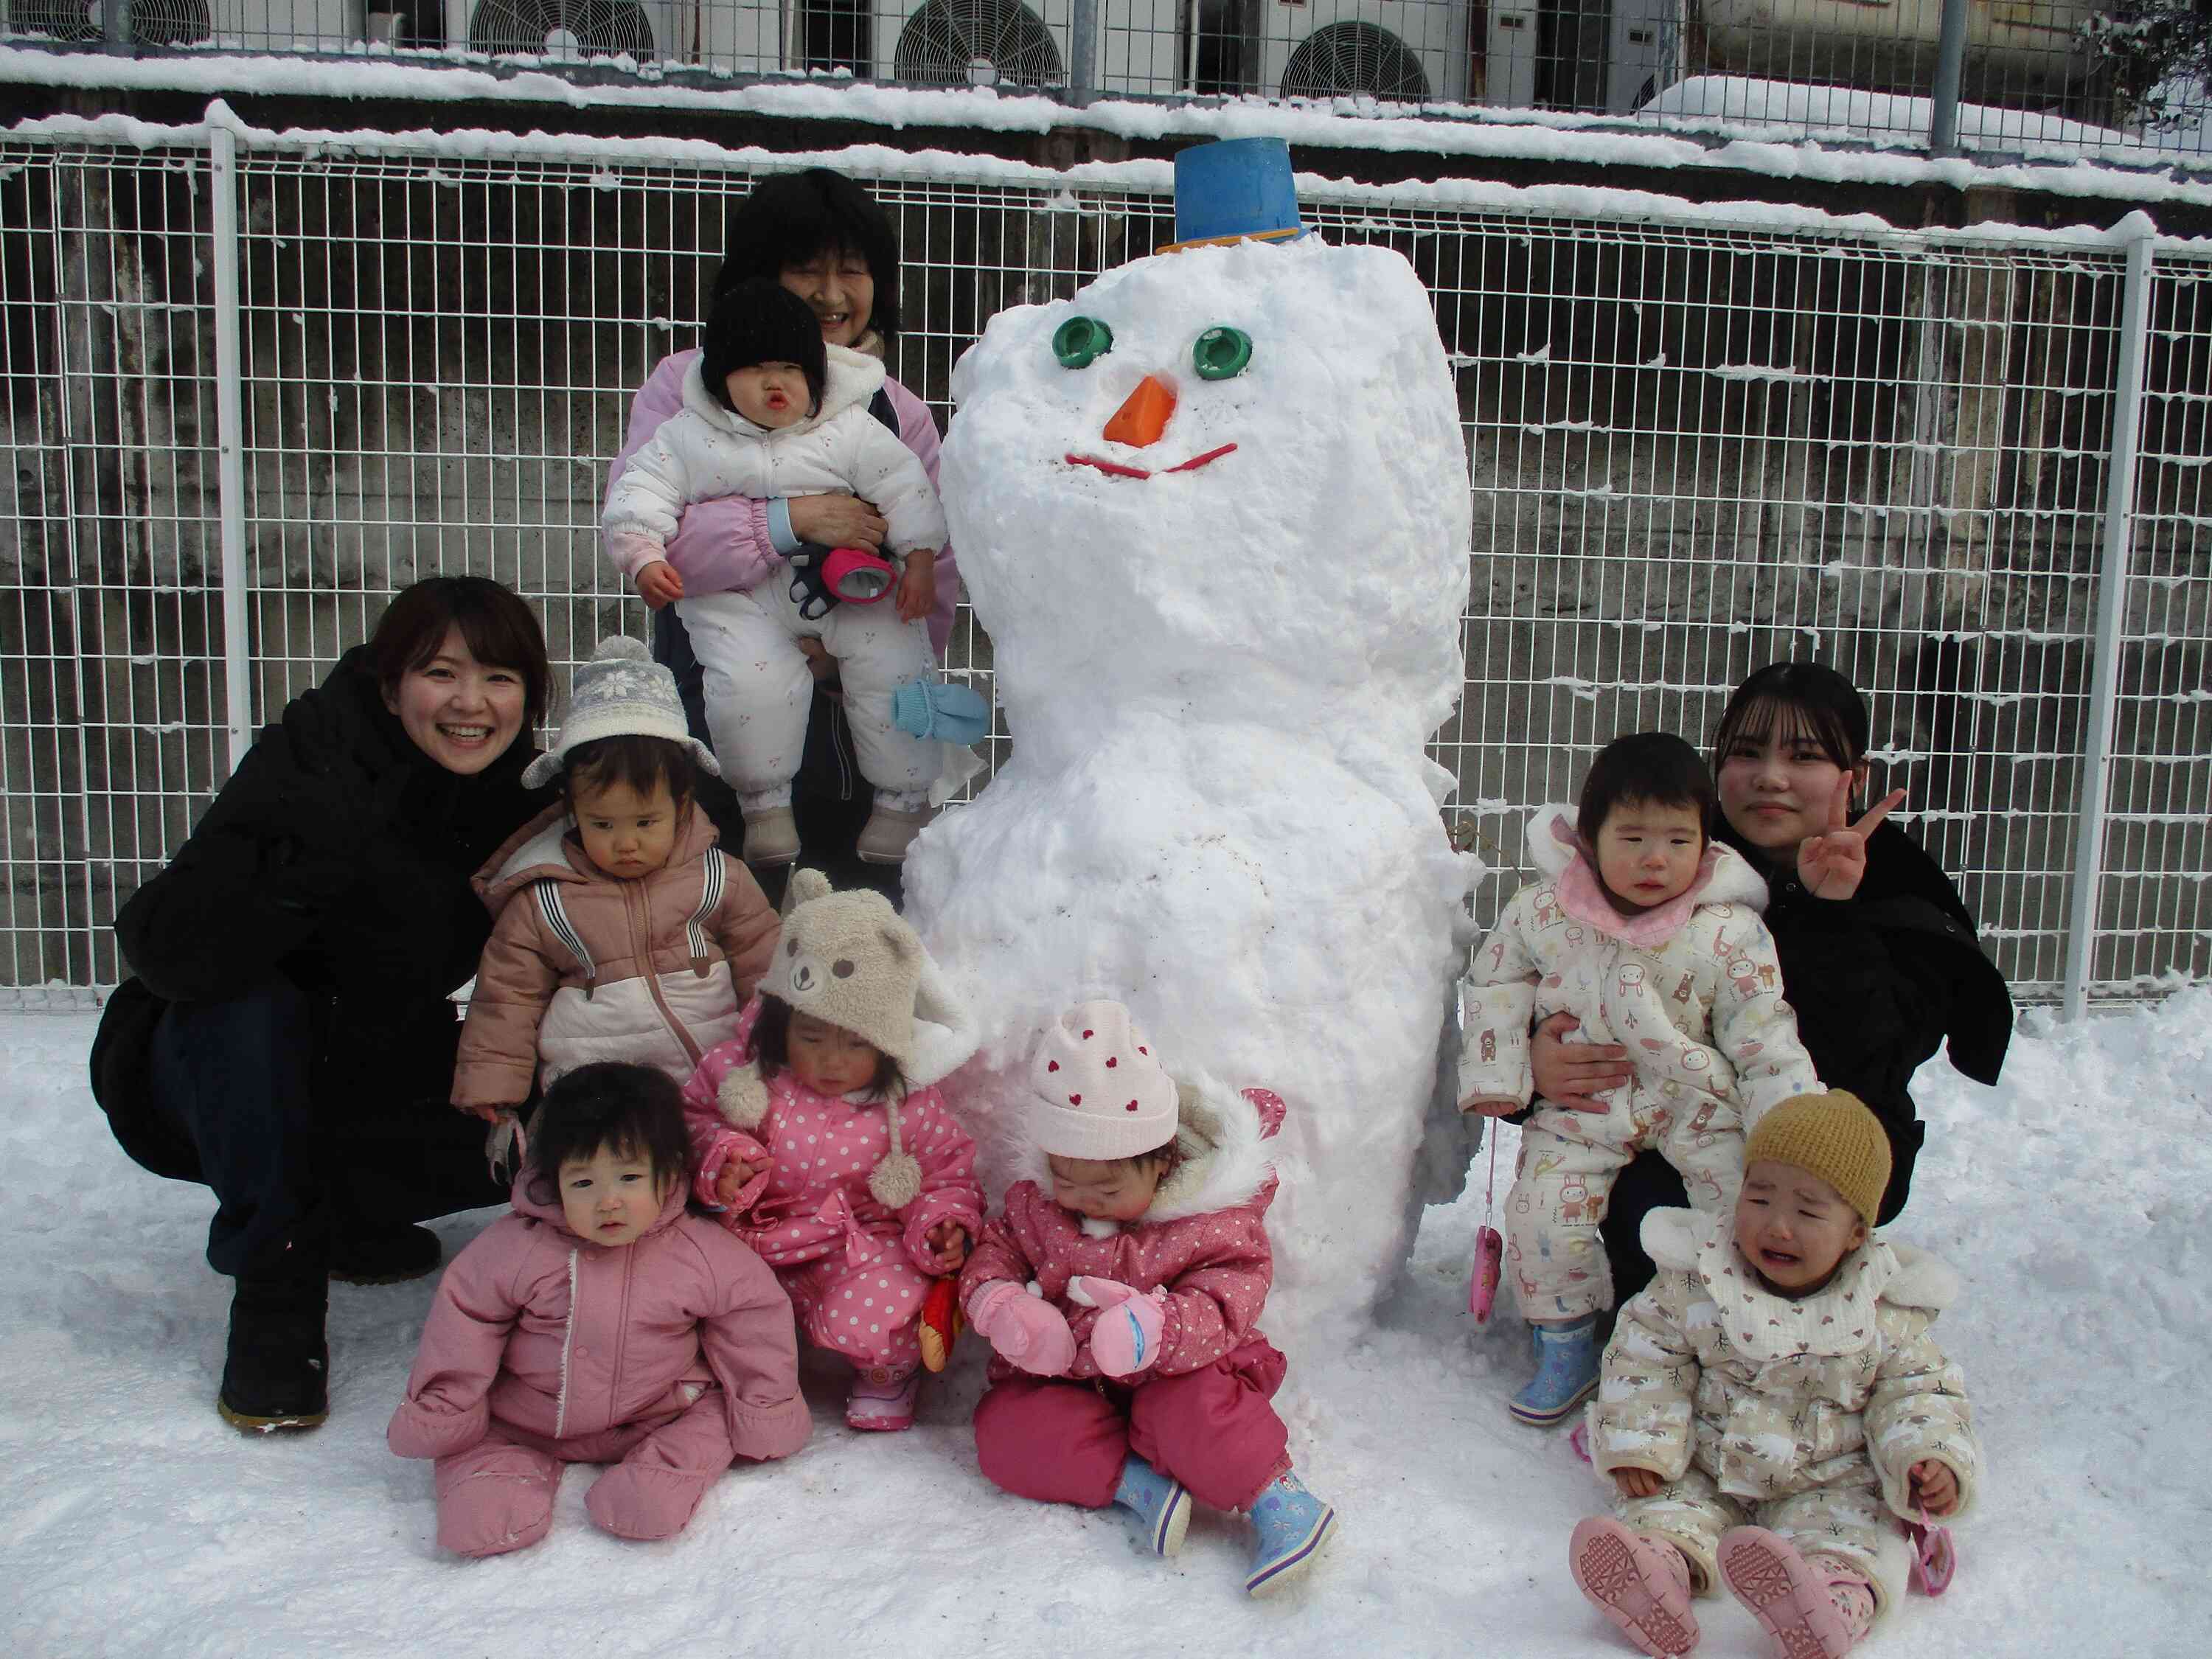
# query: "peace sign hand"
1831,866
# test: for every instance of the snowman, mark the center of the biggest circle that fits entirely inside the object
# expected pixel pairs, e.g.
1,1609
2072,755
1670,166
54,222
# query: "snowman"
1213,511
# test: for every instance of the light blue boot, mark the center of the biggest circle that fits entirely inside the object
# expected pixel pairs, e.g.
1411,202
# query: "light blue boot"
1293,1525
1157,1500
1566,1371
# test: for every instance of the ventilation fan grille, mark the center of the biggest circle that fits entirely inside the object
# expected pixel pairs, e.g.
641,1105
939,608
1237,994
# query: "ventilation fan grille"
1349,58
153,23
586,28
960,42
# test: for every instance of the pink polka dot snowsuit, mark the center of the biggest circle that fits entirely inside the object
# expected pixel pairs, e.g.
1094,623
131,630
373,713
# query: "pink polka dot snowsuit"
856,1271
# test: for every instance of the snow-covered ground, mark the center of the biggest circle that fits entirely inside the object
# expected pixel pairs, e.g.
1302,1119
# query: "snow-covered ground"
2074,1198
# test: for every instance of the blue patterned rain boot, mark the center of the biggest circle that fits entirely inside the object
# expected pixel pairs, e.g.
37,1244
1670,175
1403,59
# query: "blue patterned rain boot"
1566,1371
1293,1525
1157,1500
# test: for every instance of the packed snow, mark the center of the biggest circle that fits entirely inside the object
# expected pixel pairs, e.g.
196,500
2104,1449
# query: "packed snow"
2076,1199
1221,647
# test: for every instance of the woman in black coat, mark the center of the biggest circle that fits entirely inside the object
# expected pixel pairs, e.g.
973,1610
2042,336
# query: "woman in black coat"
1878,951
288,1037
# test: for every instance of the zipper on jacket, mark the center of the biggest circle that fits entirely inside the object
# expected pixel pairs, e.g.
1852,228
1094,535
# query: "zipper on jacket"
568,1342
643,944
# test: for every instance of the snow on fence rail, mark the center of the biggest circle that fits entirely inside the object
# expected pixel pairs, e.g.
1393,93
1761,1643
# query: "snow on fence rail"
2009,77
254,384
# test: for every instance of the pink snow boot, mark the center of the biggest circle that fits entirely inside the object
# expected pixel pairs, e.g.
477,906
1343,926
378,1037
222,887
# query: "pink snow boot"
1643,1587
1809,1611
882,1400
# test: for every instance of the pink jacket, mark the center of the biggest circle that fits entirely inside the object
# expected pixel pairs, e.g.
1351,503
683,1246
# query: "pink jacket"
535,1327
1204,1240
814,1194
651,972
730,537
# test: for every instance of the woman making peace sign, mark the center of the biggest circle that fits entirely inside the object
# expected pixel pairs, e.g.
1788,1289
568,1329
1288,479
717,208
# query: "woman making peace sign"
1877,950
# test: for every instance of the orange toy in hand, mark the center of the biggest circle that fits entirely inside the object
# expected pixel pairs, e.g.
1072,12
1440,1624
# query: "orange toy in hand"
941,1324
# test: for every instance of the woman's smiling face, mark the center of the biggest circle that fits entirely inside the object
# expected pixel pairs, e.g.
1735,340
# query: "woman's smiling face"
461,712
840,291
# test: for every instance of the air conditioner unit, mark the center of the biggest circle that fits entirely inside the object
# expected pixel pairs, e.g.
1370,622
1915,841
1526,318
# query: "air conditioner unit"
1411,50
1640,41
248,24
1509,81
646,30
973,43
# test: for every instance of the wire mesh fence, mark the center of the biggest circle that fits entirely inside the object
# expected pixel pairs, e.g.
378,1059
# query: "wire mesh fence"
1694,448
2012,76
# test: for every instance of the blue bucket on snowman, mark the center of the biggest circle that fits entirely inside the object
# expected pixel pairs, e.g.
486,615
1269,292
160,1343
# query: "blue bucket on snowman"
1234,190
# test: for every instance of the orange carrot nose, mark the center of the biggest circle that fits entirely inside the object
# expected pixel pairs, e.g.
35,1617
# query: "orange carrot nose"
1143,416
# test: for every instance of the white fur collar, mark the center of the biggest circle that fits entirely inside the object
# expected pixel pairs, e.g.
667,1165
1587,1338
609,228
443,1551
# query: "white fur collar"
853,379
1762,1325
1223,1160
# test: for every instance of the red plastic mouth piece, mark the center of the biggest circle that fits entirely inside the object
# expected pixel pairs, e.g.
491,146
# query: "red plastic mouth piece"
1115,470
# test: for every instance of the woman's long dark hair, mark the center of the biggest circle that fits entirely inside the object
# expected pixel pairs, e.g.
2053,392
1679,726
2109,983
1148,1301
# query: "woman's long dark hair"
795,218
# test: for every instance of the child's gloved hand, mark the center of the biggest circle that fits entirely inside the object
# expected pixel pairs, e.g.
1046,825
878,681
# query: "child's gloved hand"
1126,1338
1024,1328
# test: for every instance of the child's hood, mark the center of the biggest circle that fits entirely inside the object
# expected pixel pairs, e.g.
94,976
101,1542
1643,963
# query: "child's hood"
543,851
853,378
1724,877
1836,1320
1221,1159
550,1211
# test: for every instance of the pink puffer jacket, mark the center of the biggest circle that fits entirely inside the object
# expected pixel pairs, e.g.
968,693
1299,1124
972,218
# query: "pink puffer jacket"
1204,1240
537,1327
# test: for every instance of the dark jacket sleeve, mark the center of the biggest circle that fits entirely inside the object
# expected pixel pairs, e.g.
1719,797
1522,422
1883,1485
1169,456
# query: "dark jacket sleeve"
248,887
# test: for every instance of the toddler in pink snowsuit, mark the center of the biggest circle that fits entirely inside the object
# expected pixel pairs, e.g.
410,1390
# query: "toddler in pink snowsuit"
1122,1290
598,1323
823,1141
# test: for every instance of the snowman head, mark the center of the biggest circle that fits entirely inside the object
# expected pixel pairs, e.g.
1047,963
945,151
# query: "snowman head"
1240,467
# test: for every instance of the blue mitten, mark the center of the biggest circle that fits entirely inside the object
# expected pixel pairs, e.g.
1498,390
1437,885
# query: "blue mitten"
940,709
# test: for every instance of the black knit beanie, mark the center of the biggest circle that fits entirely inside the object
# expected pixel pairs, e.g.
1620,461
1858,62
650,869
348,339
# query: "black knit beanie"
762,322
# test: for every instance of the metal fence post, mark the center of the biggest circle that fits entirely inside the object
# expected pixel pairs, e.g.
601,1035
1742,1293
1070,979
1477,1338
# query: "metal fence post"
230,438
1083,53
1950,61
2112,616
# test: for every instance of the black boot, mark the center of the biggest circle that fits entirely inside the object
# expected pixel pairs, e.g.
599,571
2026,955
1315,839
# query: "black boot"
384,1255
277,1373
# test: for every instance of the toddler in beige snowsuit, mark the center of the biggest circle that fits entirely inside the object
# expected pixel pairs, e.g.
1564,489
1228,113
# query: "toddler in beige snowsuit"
1772,1408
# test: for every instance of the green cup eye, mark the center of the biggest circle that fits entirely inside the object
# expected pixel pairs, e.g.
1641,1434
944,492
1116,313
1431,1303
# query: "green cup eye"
1081,341
1221,353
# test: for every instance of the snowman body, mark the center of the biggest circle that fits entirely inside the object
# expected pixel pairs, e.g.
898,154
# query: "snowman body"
1223,637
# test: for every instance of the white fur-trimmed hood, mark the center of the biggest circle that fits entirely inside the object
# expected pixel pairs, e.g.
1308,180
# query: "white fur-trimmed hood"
1724,876
852,379
1221,1151
1902,1275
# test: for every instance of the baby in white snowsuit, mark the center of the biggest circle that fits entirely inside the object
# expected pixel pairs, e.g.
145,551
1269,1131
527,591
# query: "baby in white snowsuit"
770,410
1649,932
1775,1413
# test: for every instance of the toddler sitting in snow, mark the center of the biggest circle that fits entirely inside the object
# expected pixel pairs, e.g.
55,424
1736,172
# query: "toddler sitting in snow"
1773,1405
598,1323
1649,932
622,932
1122,1289
823,1141
770,410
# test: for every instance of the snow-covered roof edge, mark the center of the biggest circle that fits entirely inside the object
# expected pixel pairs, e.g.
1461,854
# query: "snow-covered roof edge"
1155,178
1344,122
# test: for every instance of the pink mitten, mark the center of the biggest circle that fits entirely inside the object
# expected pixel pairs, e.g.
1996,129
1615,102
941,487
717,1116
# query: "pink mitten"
1024,1326
1126,1338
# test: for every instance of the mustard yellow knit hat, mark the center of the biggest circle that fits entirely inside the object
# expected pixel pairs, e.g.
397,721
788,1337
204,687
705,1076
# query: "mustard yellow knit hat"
1833,1136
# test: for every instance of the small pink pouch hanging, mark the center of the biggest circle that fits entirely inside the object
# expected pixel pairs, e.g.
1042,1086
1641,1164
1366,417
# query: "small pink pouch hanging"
1934,1556
1489,1246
